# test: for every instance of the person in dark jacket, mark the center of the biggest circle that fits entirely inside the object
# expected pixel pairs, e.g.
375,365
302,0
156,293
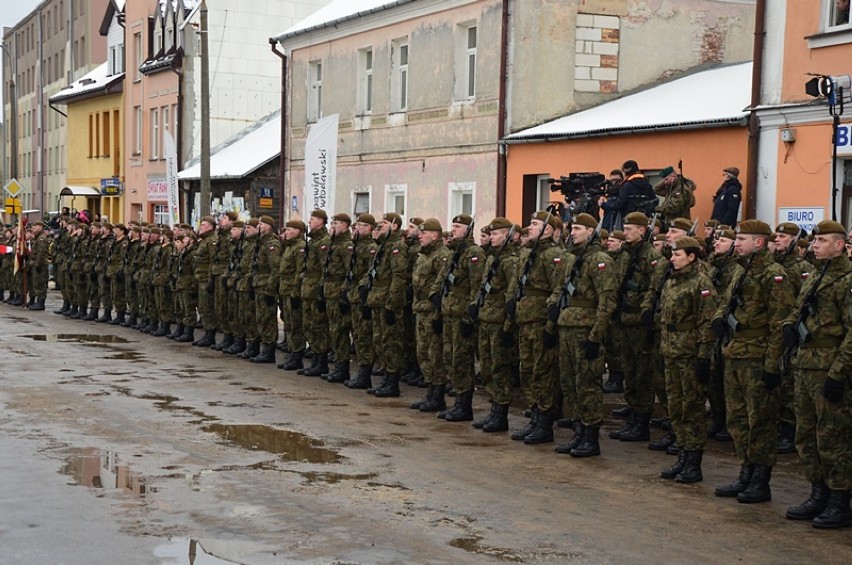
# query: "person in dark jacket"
726,201
635,194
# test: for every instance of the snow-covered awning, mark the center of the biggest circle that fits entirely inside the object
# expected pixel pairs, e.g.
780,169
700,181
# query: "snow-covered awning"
89,191
337,12
716,97
243,153
98,81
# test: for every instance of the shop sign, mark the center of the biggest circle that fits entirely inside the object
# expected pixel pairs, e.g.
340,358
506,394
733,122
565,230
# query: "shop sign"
805,218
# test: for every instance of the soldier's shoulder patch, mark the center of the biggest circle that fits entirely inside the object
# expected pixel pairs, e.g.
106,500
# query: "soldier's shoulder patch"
654,263
778,278
705,292
557,259
474,259
396,251
601,266
323,247
805,275
349,248
372,251
272,248
302,250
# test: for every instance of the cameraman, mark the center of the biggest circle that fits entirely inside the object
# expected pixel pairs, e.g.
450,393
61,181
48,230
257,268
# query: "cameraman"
612,219
636,193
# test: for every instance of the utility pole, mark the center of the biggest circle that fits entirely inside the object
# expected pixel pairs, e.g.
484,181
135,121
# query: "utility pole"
205,115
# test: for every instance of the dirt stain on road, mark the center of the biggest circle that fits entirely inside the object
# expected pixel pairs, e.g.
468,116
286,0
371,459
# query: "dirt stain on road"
292,446
80,338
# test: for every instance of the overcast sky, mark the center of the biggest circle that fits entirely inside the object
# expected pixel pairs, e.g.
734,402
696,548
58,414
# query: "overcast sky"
12,12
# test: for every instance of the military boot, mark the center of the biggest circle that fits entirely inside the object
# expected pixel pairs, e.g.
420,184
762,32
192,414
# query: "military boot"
66,305
179,328
314,363
615,382
640,430
520,434
238,347
227,341
628,425
163,329
294,362
485,419
266,355
153,324
691,472
675,469
837,514
340,374
438,400
579,430
663,443
80,313
105,317
383,383
131,321
92,315
320,367
16,301
738,485
390,388
816,503
625,412
758,488
252,349
786,438
71,312
187,336
362,380
39,303
418,403
499,421
462,410
543,432
142,323
208,339
120,318
589,443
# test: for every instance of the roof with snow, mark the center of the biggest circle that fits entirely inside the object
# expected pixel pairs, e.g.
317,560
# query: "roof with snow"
97,82
716,97
339,11
243,153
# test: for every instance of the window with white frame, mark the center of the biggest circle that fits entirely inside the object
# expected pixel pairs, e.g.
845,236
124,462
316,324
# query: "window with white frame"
137,49
462,198
399,78
545,196
116,59
466,40
395,198
314,91
158,38
360,202
470,62
161,214
155,133
838,13
137,130
174,129
166,124
365,102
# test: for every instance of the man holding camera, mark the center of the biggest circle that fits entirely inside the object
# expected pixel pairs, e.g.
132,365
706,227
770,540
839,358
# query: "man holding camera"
635,194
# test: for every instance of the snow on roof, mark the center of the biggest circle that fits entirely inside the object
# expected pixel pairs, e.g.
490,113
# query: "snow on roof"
339,11
243,153
96,80
716,96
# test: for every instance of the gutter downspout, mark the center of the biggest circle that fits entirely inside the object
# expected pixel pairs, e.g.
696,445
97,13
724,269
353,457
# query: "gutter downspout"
753,122
501,113
282,166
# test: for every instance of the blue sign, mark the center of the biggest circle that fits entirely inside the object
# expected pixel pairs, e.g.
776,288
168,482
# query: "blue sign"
265,192
112,187
843,140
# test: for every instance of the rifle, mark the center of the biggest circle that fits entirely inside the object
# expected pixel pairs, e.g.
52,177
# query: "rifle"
374,266
807,310
735,302
525,274
321,302
658,293
627,282
570,286
450,279
485,288
345,305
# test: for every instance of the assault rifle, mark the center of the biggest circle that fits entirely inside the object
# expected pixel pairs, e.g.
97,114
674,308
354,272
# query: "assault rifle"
658,293
485,288
570,286
374,270
627,282
345,305
736,300
450,278
807,310
528,265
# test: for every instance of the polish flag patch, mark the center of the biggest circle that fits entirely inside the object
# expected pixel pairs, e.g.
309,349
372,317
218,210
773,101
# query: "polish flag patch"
302,251
705,293
396,251
805,275
601,266
323,247
654,263
778,279
474,259
372,251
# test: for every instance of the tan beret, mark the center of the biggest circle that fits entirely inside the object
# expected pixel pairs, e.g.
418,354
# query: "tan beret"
341,217
209,219
465,219
298,224
829,226
366,218
431,224
267,220
586,220
754,227
636,219
320,213
393,218
788,228
500,223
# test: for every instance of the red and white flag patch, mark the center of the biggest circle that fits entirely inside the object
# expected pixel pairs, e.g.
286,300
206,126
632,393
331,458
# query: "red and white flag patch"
805,275
705,293
601,266
474,259
654,263
778,278
323,247
557,259
396,251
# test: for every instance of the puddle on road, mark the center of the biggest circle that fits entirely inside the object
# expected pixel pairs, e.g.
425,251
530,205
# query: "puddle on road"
182,551
292,446
91,467
80,338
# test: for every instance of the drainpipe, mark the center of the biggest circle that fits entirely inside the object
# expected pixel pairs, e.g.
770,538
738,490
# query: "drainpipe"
753,122
282,167
501,113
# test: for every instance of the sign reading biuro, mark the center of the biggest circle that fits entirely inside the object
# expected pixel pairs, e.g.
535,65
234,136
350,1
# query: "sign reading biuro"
805,218
112,187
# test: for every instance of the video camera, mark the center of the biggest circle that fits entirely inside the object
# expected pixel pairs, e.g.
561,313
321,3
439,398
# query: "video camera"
583,184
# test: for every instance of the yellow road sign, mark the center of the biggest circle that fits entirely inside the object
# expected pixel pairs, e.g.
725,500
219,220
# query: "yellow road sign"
13,205
13,188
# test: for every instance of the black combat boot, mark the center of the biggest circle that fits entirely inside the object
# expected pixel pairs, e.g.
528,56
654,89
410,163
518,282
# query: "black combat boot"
390,388
462,410
252,349
628,425
640,430
340,374
266,355
837,514
208,339
418,403
520,434
362,380
625,412
383,383
816,503
543,432
320,367
691,472
437,402
485,419
66,305
294,362
379,372
615,383
227,341
120,318
499,421
675,469
579,429
786,438
663,443
92,315
758,488
738,485
80,313
18,300
142,323
131,320
187,336
71,312
153,324
179,328
238,347
589,443
314,363
105,317
39,303
163,329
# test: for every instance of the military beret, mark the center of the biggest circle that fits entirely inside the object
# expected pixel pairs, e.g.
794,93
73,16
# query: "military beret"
155,231
105,225
232,215
485,230
586,220
341,217
773,237
826,227
500,223
146,229
545,216
465,219
686,242
604,234
754,227
724,227
431,224
168,232
636,219
415,221
320,213
684,224
137,228
367,219
726,233
393,218
788,228
180,237
144,224
667,171
133,223
711,223
120,226
298,224
525,231
184,226
96,224
617,234
803,243
254,222
268,221
238,224
519,228
209,219
660,237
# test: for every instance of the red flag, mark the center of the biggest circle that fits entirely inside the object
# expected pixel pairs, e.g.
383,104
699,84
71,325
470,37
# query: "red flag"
21,244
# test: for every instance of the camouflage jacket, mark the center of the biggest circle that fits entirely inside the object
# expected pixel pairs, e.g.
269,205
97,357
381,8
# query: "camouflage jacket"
203,258
116,258
246,274
635,290
689,302
431,261
596,285
290,268
365,250
314,259
340,252
503,285
468,277
544,280
265,265
391,275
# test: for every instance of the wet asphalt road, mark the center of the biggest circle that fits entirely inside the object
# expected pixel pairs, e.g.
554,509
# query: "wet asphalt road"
116,447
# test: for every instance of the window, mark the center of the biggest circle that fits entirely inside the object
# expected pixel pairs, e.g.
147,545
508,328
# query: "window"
365,103
161,214
465,62
360,202
166,125
91,135
97,135
137,50
471,62
314,91
399,79
106,141
174,129
137,130
82,60
116,59
838,13
395,198
155,133
158,38
461,198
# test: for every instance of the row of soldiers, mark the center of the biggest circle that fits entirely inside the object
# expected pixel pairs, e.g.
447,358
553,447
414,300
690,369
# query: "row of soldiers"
753,332
31,258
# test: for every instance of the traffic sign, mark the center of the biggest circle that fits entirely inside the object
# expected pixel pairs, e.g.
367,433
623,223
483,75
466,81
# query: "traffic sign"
13,188
13,206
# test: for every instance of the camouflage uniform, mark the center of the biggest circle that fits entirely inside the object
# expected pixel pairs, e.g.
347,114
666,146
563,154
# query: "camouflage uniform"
186,288
362,329
37,263
387,301
116,274
245,290
290,269
725,270
104,282
203,263
679,198
162,281
334,283
315,322
218,269
265,270
431,261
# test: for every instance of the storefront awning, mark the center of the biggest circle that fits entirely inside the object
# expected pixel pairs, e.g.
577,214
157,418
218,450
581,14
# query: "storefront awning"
89,191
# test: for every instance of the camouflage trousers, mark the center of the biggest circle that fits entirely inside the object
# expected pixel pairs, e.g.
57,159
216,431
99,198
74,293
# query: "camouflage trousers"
787,402
38,281
187,301
823,431
118,293
494,363
658,374
410,336
533,359
92,291
716,388
686,404
458,355
580,378
612,345
636,363
752,412
430,349
234,314
393,336
131,294
316,325
376,322
362,335
205,306
248,320
220,305
165,304
266,310
292,323
105,291
340,327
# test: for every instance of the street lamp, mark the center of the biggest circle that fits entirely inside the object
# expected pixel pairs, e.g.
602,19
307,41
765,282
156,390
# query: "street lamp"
13,105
